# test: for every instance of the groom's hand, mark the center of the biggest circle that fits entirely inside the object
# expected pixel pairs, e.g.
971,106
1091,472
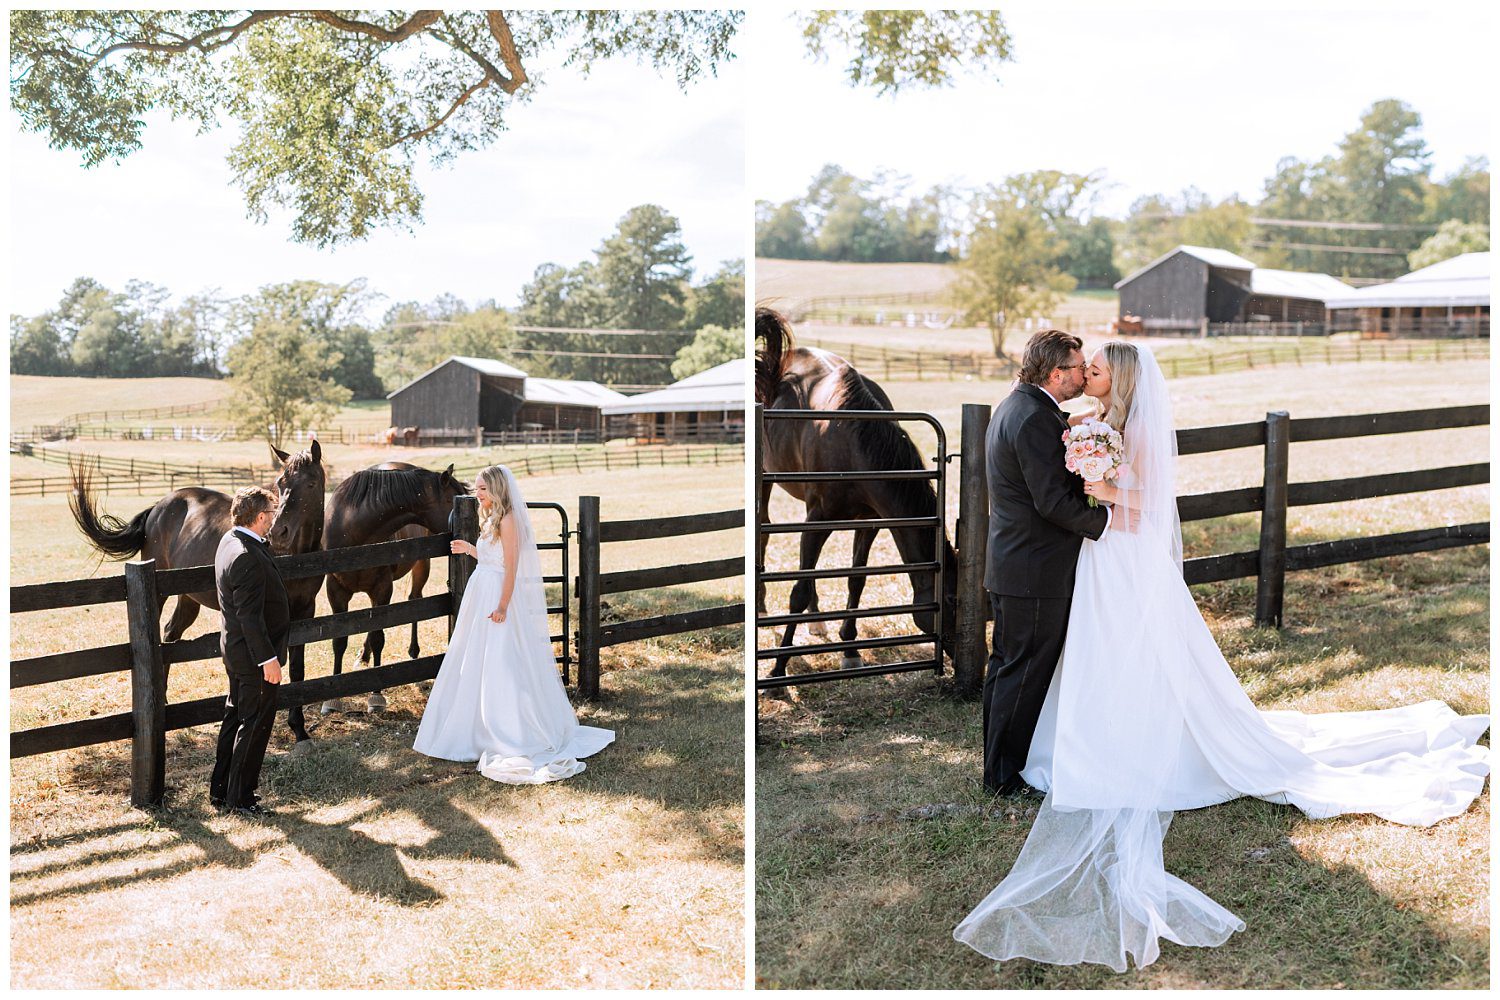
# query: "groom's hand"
271,670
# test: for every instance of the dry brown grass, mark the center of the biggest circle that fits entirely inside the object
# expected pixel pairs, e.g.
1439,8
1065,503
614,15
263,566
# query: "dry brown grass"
854,892
383,867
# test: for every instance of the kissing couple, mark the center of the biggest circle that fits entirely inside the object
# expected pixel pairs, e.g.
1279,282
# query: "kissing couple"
1106,692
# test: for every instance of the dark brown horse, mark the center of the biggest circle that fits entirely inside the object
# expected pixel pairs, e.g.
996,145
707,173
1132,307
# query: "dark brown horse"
377,505
184,529
799,378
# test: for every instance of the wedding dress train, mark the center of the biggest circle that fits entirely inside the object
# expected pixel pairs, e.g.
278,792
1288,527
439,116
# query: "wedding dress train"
1144,716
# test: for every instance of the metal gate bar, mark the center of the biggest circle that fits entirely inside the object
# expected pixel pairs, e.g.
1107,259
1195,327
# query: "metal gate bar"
566,659
938,476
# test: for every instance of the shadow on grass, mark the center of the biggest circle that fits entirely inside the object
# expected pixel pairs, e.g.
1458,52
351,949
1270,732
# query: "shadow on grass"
874,837
678,744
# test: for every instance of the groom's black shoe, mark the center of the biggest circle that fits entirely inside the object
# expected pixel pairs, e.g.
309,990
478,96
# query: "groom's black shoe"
1017,788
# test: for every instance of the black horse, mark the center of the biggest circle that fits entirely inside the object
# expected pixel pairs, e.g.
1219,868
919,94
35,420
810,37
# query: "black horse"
377,505
799,378
183,529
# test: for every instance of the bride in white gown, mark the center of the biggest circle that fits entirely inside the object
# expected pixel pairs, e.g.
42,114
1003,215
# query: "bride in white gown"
498,697
1144,716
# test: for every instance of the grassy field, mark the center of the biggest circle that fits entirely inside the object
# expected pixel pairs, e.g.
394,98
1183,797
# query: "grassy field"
859,880
383,867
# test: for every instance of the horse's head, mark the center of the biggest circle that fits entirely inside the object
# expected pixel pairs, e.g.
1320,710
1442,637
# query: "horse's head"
301,484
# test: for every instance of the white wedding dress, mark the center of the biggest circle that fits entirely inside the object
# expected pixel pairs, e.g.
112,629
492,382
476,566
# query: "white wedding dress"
1144,716
498,698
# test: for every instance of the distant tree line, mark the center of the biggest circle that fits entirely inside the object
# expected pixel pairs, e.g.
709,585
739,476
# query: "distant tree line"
1379,179
641,278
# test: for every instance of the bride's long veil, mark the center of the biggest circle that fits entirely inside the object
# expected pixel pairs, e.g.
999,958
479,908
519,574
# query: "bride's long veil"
528,601
1090,884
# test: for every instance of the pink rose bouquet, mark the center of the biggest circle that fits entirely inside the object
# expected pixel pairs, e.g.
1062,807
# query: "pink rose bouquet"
1095,451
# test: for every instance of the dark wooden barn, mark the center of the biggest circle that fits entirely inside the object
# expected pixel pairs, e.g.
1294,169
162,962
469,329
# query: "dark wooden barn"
1185,291
459,396
481,399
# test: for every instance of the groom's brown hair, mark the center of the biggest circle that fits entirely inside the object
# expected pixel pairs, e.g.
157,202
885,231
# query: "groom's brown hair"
1046,350
249,503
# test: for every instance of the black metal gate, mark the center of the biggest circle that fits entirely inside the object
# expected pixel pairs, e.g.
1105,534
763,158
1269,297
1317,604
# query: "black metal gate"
565,655
935,638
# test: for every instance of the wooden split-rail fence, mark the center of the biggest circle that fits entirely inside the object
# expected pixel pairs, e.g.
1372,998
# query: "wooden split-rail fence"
1273,558
144,587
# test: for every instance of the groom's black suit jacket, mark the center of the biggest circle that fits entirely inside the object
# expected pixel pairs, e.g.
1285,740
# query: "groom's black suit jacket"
257,619
1039,514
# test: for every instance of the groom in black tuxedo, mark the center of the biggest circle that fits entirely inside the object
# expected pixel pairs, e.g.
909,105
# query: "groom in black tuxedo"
253,643
1039,517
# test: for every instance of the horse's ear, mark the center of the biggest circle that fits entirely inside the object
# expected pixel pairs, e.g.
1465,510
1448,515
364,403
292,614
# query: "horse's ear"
317,451
281,456
449,470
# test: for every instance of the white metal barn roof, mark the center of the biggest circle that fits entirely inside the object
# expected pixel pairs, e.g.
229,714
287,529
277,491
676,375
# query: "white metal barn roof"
1458,281
1296,284
719,388
1211,256
558,391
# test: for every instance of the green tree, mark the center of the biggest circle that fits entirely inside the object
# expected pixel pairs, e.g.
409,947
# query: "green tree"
713,345
415,338
332,316
642,269
719,301
894,49
781,231
1464,195
1009,270
335,109
1452,238
37,348
1089,252
277,382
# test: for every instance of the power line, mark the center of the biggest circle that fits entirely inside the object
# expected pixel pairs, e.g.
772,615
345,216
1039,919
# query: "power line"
1328,247
604,333
1366,226
591,354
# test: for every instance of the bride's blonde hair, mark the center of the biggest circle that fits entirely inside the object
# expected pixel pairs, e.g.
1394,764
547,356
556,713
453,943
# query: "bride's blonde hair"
493,478
1124,371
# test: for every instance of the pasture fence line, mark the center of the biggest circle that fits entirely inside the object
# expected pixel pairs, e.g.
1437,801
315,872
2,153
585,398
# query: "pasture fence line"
138,478
594,634
343,433
878,360
1273,558
143,588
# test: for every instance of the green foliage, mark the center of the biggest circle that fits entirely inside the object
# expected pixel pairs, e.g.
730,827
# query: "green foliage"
415,338
713,346
278,382
719,301
843,217
331,316
1009,269
892,49
94,331
1157,224
642,269
1452,238
334,112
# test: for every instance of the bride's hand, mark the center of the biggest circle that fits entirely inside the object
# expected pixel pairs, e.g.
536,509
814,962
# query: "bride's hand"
459,547
498,615
1103,492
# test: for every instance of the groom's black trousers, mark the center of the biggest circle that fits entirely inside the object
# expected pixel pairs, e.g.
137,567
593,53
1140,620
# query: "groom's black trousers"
249,712
1024,649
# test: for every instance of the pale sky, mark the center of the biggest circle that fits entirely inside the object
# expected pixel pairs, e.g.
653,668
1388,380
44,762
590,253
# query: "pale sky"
574,160
1157,99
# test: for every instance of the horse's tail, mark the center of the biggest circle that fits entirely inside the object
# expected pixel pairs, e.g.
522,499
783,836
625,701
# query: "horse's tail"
107,533
770,361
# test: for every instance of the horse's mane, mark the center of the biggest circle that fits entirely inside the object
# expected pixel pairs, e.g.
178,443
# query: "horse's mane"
388,488
885,443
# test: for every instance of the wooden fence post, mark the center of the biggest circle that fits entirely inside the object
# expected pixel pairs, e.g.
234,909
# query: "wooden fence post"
148,686
972,535
465,525
588,597
1271,580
